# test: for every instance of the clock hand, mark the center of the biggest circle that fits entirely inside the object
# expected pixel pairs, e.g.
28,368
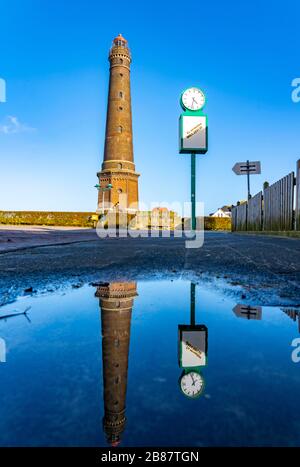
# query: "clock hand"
194,101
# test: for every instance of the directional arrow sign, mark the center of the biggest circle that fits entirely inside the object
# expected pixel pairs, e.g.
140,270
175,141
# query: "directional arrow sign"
248,312
245,168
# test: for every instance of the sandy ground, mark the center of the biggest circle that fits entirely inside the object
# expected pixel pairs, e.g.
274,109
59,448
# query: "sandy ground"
256,269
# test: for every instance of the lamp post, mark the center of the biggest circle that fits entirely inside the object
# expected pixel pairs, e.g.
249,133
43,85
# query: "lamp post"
103,190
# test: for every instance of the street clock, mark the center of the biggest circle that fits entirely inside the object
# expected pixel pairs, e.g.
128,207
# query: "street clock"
192,99
191,383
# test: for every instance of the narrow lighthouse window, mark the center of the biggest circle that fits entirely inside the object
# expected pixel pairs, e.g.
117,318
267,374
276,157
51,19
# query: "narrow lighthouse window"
120,129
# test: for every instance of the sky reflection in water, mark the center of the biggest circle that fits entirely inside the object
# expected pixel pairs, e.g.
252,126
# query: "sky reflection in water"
65,381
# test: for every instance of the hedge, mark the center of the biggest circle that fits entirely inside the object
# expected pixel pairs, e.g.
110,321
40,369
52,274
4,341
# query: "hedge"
83,219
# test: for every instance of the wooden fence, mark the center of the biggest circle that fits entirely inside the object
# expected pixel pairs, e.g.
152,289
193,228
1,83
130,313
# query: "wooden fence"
279,204
254,214
297,211
239,217
276,209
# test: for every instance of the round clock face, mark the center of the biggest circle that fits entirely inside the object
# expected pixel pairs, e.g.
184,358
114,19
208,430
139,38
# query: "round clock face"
192,384
193,99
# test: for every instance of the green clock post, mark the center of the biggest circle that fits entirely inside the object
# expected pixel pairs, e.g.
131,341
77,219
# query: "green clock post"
193,135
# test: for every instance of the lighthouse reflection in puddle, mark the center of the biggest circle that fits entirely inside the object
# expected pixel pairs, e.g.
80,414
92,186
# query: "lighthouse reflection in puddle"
116,302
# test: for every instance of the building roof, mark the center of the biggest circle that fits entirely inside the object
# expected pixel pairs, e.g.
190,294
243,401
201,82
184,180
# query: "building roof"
119,38
226,208
161,209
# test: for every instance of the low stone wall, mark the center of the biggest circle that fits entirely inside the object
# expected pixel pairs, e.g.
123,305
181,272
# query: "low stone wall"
72,219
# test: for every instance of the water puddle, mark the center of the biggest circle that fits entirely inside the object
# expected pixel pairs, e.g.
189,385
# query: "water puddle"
149,363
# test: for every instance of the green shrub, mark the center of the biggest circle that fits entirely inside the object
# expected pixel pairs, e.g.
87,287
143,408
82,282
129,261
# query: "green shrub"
72,219
217,223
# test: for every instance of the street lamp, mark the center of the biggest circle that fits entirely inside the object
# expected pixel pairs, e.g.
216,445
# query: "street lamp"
103,189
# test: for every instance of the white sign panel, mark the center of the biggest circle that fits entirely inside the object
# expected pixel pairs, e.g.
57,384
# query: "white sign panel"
193,135
243,168
193,348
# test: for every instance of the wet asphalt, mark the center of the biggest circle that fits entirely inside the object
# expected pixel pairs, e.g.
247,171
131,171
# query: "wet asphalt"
253,268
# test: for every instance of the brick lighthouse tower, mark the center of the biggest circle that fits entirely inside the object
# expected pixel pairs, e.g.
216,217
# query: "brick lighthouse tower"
116,302
118,167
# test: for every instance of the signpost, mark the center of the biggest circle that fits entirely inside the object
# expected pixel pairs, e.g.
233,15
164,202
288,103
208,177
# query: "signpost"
193,135
248,312
247,168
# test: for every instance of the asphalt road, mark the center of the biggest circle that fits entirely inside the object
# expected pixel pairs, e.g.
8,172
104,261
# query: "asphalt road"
258,269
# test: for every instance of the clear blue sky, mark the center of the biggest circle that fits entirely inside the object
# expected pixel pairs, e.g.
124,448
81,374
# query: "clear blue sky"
53,56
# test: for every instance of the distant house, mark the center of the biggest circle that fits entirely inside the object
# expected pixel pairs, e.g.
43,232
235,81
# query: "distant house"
225,211
159,218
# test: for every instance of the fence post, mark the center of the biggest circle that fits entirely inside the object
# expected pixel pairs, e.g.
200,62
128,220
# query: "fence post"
297,213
